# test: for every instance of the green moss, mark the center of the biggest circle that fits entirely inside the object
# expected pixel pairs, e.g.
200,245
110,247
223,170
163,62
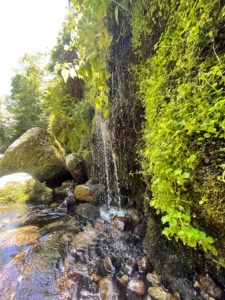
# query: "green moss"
35,152
22,187
182,87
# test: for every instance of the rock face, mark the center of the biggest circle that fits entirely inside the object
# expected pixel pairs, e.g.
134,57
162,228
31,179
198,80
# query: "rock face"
76,166
36,152
88,192
21,187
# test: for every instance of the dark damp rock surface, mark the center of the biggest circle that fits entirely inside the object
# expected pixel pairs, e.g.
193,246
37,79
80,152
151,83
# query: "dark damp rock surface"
75,164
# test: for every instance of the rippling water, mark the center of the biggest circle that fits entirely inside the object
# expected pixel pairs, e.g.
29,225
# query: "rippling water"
50,253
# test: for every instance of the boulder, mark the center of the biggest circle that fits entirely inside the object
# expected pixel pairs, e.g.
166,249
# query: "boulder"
75,164
22,187
87,211
36,152
88,192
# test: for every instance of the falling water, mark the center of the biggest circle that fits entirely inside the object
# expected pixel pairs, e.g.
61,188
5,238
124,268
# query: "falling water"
117,179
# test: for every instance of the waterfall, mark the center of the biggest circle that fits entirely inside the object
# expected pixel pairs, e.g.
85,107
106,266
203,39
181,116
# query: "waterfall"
106,162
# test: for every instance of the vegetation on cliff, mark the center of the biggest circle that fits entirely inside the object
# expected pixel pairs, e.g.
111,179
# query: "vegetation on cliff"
179,68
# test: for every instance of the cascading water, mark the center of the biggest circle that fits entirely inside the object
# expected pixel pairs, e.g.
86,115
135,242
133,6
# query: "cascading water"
107,161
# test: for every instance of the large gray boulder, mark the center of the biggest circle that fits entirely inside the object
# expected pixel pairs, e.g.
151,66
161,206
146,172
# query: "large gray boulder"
36,152
22,187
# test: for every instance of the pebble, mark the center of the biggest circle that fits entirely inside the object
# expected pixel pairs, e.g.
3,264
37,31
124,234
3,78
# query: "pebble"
137,286
124,280
153,278
144,264
207,284
109,289
159,294
121,223
108,265
95,277
129,267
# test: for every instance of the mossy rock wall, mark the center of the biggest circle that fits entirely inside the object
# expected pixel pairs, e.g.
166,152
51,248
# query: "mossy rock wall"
36,152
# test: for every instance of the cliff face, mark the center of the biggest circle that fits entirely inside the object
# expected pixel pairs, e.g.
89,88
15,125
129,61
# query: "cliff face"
171,86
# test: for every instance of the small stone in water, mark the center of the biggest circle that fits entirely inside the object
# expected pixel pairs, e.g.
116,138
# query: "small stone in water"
207,284
159,294
144,264
95,277
100,226
124,280
137,286
153,279
121,223
108,289
108,265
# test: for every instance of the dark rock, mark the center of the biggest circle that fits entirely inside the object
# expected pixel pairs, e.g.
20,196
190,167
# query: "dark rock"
108,265
88,211
109,289
137,286
144,264
88,192
59,193
153,279
134,217
207,284
76,166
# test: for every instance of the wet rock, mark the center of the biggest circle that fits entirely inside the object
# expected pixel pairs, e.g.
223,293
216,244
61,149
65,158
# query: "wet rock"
84,239
153,279
60,193
121,223
88,211
38,153
100,226
207,284
76,166
88,192
144,264
108,289
108,265
54,225
95,277
129,267
159,294
124,280
22,187
134,217
137,286
68,184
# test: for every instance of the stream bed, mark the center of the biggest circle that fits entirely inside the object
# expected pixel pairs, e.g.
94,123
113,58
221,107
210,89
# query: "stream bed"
68,250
